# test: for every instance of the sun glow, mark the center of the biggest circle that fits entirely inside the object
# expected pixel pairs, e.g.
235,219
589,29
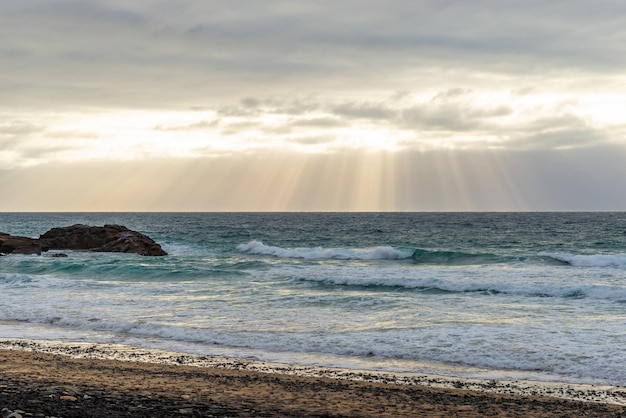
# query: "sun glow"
131,135
455,119
424,152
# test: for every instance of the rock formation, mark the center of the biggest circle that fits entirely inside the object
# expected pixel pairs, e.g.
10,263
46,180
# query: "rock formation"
108,238
10,244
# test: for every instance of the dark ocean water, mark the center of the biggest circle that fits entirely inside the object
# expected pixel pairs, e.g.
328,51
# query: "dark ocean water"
521,295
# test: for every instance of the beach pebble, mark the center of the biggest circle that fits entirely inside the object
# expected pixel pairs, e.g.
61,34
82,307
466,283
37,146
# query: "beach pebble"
68,398
7,413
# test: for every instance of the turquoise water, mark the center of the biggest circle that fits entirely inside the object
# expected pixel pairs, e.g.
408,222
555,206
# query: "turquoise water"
515,295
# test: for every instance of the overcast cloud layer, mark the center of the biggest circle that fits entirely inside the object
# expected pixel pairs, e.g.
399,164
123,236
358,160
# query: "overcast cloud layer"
350,105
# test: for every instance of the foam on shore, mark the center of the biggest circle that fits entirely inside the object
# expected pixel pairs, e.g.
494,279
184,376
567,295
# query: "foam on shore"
82,350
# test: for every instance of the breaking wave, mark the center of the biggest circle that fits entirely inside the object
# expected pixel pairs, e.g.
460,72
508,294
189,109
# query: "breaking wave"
433,257
320,253
17,278
589,260
418,256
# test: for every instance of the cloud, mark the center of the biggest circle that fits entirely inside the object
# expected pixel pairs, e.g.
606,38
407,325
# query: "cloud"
451,110
560,138
448,110
14,137
236,128
364,110
200,125
18,128
560,131
177,81
94,12
311,140
71,134
450,118
318,122
193,53
257,106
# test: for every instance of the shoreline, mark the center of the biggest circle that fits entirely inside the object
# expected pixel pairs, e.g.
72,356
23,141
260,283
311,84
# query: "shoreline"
29,369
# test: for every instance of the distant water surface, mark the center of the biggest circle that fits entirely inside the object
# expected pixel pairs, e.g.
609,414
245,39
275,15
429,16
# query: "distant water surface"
489,295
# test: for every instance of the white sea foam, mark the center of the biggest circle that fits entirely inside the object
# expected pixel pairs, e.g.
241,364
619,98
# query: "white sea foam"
13,278
19,280
320,253
360,369
589,260
429,341
514,288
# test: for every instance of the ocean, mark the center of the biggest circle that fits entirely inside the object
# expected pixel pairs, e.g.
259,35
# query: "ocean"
538,296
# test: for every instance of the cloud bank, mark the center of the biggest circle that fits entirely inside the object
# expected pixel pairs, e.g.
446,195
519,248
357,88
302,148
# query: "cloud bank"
529,91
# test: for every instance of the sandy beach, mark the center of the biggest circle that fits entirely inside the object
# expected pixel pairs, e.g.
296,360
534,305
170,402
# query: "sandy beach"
76,380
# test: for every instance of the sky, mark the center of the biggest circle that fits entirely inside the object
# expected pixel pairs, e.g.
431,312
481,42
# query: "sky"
352,105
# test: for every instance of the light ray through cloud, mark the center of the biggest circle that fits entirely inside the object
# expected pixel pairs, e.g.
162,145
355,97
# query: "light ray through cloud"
325,106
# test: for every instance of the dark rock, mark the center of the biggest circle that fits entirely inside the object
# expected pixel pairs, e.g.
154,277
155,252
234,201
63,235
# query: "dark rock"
107,238
10,244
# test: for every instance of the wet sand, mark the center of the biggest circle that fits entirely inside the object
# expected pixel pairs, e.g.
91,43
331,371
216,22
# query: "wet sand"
86,380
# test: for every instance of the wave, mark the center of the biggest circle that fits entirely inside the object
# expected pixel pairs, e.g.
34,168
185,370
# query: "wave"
588,260
320,253
418,256
17,278
453,257
434,257
439,286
